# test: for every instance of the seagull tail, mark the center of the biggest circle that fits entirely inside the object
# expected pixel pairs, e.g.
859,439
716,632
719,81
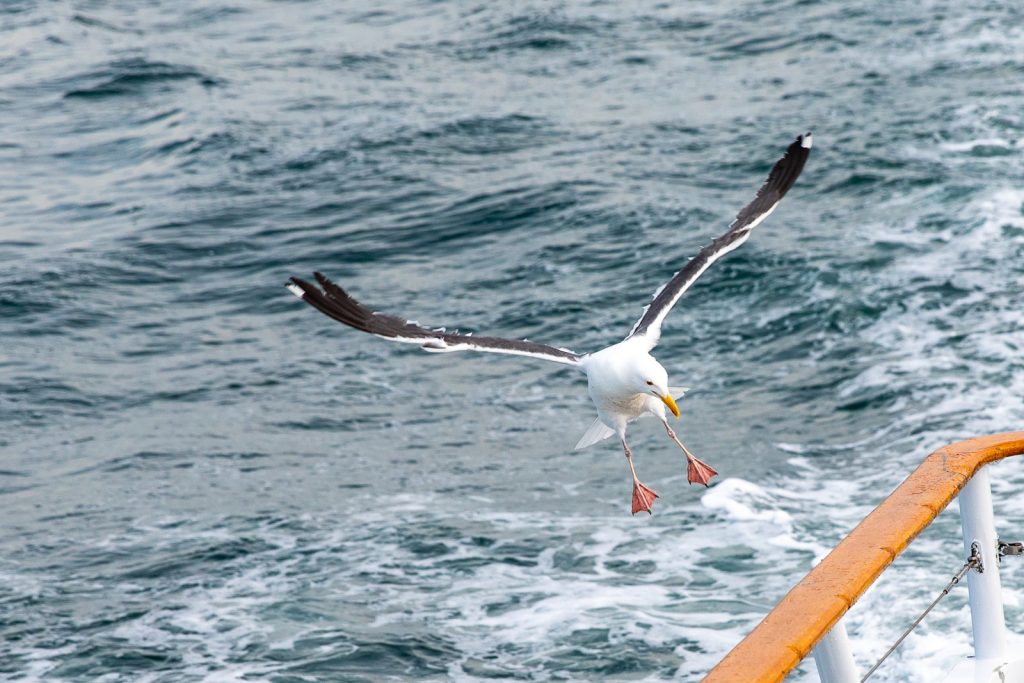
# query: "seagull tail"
598,431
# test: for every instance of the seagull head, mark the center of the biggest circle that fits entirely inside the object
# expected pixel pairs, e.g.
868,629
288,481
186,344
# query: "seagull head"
651,378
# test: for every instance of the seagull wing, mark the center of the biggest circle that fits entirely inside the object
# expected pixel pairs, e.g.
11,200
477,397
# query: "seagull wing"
781,178
333,301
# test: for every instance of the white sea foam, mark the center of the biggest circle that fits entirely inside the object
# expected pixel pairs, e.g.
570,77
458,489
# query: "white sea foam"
744,501
971,145
548,602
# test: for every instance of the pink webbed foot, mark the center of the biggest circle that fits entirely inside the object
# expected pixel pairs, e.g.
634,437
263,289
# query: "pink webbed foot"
698,471
643,498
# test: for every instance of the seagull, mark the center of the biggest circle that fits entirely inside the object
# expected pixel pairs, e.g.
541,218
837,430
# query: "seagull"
624,380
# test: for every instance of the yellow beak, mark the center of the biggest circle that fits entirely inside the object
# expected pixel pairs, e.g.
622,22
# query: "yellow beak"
671,403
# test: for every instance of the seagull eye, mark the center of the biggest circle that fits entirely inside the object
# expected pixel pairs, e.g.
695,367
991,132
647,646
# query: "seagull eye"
650,383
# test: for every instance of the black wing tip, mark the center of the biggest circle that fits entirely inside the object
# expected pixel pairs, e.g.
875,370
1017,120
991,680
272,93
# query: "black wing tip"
788,168
300,287
332,301
802,145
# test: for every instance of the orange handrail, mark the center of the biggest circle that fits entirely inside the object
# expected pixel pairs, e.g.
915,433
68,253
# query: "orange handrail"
813,606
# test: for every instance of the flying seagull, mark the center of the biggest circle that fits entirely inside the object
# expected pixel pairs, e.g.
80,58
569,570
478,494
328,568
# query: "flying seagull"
624,380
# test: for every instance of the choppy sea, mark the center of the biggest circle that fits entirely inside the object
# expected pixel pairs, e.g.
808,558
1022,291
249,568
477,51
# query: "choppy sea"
202,479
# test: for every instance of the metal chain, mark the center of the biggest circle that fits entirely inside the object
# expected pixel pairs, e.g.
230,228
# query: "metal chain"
973,562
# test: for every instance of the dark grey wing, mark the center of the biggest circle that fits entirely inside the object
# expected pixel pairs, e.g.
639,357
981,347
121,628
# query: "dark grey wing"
781,178
333,301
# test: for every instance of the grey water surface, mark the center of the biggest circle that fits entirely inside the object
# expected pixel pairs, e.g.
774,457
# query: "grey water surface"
203,479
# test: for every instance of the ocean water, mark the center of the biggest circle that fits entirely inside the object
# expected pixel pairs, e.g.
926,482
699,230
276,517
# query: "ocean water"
202,479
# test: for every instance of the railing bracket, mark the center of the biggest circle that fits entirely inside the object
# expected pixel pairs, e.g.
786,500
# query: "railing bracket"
974,561
1005,548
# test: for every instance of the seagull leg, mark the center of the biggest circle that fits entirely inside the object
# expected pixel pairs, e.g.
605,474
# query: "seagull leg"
697,471
643,497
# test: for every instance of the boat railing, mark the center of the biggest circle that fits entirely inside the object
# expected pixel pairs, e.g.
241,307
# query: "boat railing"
809,617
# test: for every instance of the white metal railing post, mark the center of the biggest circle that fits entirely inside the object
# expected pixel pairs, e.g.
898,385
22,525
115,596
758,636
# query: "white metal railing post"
985,593
834,658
